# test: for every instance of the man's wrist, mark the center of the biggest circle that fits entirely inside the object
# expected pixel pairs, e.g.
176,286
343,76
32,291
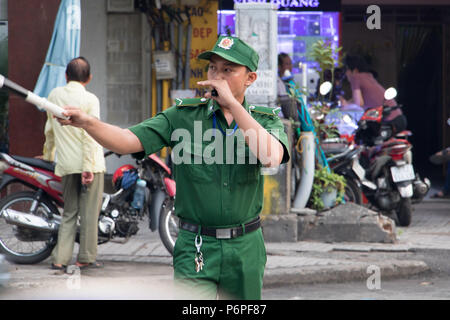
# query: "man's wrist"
89,123
234,106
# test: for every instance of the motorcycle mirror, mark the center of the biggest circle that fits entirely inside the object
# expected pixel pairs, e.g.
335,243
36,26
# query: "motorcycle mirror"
390,93
325,87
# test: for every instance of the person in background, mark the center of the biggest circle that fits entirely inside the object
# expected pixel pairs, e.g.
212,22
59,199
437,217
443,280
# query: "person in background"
284,73
287,103
81,165
368,93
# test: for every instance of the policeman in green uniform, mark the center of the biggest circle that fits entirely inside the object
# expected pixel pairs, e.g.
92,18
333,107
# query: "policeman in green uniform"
220,143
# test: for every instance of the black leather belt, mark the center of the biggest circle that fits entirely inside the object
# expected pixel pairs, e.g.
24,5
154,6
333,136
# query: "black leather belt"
222,233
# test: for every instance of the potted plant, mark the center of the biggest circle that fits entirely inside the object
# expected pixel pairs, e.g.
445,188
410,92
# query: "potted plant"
328,189
327,58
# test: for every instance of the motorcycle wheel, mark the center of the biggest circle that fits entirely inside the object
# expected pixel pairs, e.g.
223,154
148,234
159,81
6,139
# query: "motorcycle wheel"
21,245
168,224
352,192
404,212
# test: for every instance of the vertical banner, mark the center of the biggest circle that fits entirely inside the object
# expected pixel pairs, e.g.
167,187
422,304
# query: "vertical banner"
257,25
204,36
64,46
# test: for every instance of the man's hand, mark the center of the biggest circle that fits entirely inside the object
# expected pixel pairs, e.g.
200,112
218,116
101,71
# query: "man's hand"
77,117
87,177
225,97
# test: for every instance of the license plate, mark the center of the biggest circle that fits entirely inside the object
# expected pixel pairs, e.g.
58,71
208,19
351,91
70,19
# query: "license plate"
358,169
403,173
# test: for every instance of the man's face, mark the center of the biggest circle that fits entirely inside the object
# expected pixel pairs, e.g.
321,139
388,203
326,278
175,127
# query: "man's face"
286,65
236,75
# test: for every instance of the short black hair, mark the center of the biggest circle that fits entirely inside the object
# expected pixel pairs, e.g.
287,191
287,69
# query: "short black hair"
78,69
281,57
356,62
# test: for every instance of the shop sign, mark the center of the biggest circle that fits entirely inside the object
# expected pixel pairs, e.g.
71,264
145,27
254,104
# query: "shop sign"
204,36
286,3
294,5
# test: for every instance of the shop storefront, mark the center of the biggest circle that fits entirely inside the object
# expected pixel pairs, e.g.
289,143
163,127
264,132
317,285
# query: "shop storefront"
300,24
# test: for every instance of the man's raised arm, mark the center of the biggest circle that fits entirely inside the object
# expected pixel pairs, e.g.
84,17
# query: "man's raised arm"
113,138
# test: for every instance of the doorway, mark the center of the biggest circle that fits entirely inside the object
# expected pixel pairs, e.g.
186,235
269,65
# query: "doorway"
419,58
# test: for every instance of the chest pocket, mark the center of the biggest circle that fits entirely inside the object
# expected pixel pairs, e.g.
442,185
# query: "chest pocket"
201,168
249,171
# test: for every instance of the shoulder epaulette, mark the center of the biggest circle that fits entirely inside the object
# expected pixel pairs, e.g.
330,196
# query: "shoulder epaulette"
190,102
265,110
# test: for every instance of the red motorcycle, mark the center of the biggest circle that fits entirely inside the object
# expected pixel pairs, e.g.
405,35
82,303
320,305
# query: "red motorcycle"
31,206
386,162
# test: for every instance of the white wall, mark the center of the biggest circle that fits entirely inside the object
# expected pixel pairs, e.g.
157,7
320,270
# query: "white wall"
93,48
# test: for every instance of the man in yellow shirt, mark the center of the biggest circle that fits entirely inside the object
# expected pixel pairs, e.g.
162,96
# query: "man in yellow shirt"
81,164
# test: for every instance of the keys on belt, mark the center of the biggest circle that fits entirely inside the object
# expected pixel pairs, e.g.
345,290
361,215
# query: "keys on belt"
222,233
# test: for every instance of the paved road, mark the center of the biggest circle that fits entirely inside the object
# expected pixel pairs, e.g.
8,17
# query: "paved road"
430,285
141,268
417,288
117,280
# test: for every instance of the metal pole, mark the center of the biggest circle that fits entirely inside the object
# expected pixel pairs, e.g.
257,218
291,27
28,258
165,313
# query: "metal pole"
179,56
158,82
187,68
172,49
150,77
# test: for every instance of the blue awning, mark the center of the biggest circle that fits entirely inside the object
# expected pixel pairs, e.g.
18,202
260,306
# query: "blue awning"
64,46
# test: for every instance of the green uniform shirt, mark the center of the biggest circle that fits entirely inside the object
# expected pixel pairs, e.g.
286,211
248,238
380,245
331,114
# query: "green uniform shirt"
220,187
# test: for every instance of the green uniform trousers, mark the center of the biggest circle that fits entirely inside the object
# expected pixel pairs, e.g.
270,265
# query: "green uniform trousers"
233,268
85,205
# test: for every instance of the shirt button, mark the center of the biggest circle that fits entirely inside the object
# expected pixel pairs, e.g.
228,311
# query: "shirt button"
225,184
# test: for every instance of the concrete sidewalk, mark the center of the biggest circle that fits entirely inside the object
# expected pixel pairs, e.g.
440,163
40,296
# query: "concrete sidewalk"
313,261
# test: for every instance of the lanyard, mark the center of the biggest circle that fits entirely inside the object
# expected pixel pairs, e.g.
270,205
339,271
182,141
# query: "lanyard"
220,128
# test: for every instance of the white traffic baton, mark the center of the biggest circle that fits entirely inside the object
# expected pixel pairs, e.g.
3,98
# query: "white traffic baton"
32,97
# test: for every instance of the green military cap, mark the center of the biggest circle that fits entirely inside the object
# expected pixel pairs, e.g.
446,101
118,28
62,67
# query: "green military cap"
235,50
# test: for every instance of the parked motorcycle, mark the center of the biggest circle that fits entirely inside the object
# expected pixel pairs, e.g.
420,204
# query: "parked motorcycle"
386,159
343,158
30,219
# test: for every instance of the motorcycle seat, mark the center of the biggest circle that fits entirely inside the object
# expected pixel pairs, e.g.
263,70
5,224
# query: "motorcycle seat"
42,164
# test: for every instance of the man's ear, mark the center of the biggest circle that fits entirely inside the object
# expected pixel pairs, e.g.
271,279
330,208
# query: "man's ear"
251,77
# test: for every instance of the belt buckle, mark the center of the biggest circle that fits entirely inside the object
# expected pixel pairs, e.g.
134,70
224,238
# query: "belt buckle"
223,233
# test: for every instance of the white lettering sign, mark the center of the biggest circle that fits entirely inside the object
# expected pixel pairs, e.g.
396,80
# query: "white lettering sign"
286,3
